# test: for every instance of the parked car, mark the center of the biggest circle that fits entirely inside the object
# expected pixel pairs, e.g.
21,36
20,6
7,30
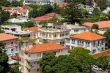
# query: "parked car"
94,67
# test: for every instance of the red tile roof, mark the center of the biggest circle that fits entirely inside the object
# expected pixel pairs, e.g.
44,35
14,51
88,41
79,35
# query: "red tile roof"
52,14
33,29
41,18
90,36
102,54
101,24
45,17
45,47
4,37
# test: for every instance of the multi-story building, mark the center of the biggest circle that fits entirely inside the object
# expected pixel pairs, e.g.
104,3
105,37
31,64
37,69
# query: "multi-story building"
52,33
11,45
88,40
30,57
15,30
76,28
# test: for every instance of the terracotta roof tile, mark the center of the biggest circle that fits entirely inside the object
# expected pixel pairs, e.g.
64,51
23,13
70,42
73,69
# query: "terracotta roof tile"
101,24
102,54
4,37
41,18
33,29
45,47
90,36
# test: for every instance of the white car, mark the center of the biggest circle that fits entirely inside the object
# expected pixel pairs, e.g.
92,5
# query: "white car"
96,68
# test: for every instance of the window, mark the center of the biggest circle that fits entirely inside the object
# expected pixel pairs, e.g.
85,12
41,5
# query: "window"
93,51
5,50
73,41
11,49
67,40
11,42
87,44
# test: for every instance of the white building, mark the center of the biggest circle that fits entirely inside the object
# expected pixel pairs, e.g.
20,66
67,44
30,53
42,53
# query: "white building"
75,29
15,30
43,1
30,57
18,20
52,33
11,45
88,40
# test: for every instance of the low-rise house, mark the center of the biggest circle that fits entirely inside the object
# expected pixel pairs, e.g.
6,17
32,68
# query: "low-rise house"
11,45
15,30
102,25
46,17
101,54
18,20
33,54
20,11
52,33
88,40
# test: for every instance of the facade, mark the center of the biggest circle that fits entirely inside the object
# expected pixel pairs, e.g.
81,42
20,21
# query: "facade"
52,33
11,45
15,30
30,57
18,20
102,25
88,40
75,29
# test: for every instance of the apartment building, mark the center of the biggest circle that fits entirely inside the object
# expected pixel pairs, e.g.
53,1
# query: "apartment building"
30,57
88,40
11,45
15,30
52,33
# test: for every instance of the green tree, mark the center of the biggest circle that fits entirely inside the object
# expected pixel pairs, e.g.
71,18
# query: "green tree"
103,62
26,24
4,16
97,12
4,3
79,61
4,67
107,35
73,13
15,3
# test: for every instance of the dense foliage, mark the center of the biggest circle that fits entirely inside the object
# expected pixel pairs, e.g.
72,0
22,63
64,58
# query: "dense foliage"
39,10
4,67
107,35
14,3
76,62
26,24
4,16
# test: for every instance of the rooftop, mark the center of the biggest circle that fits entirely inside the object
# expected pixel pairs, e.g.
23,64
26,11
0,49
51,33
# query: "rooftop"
4,37
101,54
45,17
33,29
89,36
45,47
101,24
